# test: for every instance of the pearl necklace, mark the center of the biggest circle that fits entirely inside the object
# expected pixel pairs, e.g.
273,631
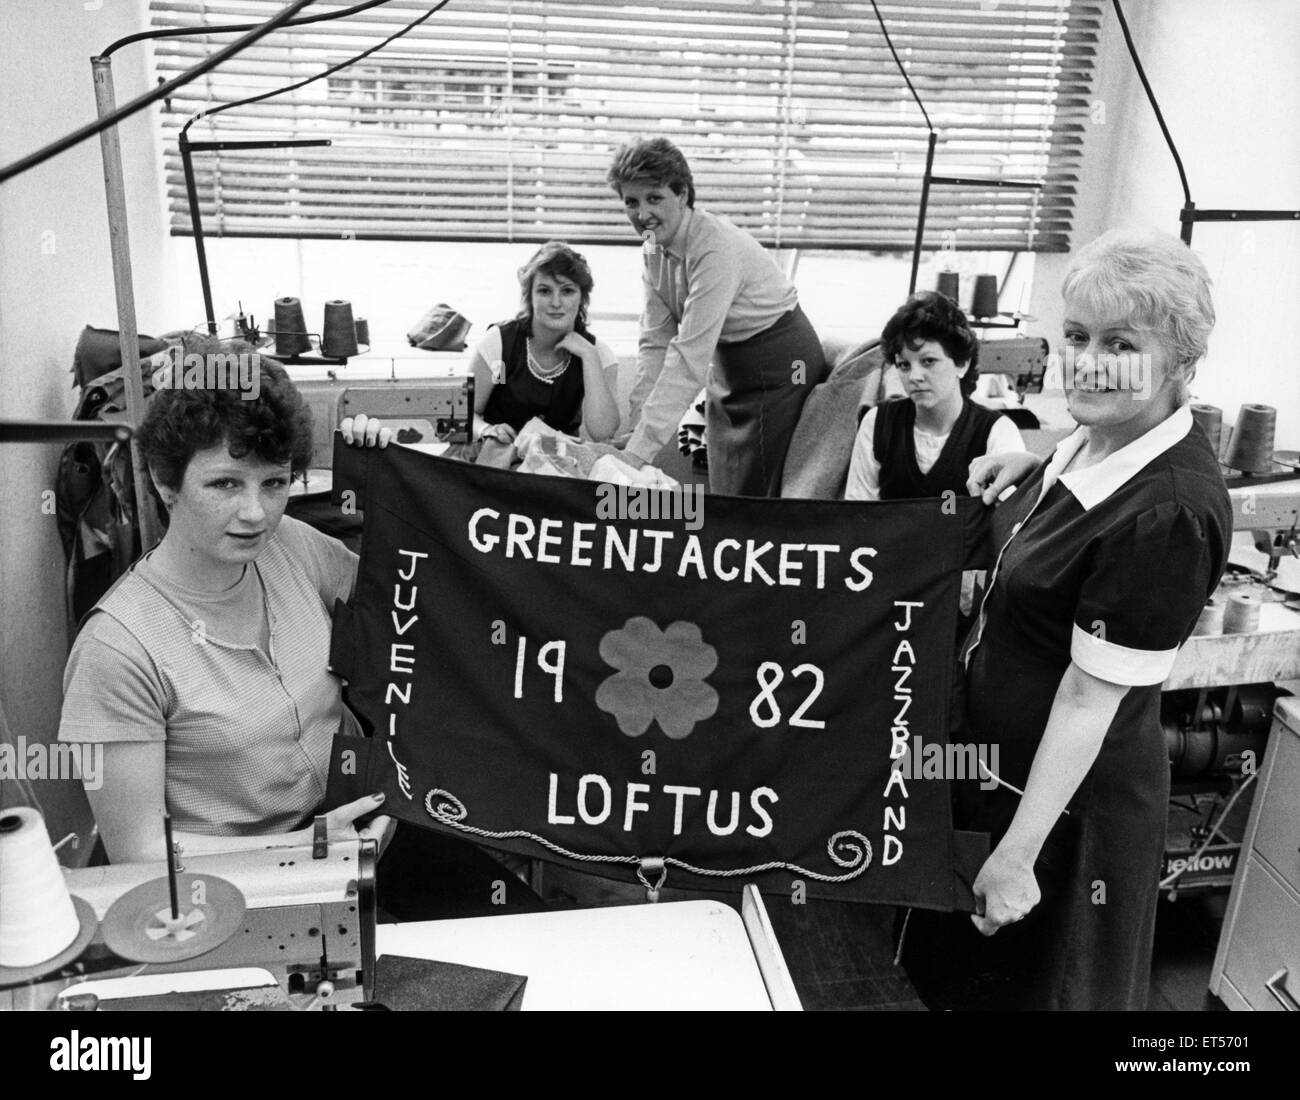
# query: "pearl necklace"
545,374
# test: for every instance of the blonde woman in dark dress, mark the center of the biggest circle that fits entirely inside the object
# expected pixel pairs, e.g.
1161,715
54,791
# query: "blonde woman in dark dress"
1116,543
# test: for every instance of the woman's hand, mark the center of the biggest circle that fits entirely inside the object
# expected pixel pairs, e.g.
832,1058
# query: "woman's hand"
365,431
578,345
599,409
1005,891
341,818
1082,710
498,433
341,821
992,475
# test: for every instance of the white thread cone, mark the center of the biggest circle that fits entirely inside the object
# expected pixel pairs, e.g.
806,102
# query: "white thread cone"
1211,619
1241,616
37,919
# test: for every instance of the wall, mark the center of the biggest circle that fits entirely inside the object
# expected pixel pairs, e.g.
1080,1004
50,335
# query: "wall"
1224,75
56,277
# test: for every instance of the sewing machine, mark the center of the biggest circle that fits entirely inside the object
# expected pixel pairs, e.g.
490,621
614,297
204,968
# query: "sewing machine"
426,399
308,920
1271,514
1220,694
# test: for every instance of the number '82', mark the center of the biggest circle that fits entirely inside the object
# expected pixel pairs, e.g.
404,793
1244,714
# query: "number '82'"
766,712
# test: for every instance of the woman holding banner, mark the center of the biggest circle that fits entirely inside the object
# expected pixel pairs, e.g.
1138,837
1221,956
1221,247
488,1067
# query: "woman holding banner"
710,288
204,673
1116,543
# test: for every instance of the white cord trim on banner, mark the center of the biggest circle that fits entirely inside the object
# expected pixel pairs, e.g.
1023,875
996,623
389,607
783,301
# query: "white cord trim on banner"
403,776
450,810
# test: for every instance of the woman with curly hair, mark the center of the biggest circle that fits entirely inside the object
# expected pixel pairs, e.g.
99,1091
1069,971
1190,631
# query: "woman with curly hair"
203,671
923,447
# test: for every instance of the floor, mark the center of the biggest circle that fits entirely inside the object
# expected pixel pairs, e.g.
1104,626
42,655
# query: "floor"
841,956
1187,934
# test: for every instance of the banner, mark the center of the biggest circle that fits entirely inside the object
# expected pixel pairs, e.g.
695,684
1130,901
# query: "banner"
643,683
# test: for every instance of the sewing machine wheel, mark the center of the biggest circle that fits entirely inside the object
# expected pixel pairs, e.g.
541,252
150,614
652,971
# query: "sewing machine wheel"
138,926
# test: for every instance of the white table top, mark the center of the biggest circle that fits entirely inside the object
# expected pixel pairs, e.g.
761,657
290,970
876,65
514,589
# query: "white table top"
671,955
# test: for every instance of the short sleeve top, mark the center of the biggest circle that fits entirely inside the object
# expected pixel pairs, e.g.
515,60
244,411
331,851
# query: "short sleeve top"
1107,567
248,733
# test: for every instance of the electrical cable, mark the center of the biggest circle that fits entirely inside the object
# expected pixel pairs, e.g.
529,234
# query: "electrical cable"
181,32
160,92
1151,96
324,73
1174,876
903,71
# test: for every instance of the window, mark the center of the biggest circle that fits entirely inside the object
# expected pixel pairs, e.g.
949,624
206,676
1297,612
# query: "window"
496,120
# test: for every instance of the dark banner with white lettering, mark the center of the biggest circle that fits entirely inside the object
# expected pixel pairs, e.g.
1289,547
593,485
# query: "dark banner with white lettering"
634,682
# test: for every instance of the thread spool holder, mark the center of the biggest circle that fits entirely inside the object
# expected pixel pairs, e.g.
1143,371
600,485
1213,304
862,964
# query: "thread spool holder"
1243,479
1240,479
247,329
317,359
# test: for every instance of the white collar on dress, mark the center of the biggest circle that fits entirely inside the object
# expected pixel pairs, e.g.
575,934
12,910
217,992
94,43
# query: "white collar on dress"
1094,484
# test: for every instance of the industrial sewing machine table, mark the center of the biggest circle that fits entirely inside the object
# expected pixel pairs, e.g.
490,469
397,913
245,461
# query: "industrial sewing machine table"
690,955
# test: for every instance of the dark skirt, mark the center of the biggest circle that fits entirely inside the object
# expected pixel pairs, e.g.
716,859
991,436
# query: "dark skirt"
755,395
1087,944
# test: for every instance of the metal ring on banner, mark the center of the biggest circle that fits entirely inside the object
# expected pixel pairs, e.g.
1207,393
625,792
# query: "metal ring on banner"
652,864
445,807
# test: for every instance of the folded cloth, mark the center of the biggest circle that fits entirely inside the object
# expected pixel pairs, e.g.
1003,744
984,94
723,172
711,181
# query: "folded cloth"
423,985
441,329
821,446
543,450
492,452
616,471
99,350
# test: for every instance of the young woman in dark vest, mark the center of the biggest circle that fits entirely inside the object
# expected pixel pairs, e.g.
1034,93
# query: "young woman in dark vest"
545,363
923,447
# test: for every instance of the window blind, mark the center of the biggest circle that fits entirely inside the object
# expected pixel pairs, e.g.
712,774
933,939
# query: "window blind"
496,119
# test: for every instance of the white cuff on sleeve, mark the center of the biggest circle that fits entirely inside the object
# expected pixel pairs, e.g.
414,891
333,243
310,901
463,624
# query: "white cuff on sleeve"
1118,664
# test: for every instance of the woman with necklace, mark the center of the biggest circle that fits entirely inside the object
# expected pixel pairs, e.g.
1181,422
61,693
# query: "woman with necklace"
544,363
923,447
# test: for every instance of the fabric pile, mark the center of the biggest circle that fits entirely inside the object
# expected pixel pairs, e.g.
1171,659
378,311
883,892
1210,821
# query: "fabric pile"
543,450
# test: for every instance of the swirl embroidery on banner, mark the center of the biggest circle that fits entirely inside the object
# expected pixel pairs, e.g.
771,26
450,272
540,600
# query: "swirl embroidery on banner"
445,807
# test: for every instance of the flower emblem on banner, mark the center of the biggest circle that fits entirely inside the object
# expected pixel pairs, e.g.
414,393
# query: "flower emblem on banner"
661,677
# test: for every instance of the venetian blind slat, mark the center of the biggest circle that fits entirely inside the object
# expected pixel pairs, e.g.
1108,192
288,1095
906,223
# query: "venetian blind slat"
496,120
